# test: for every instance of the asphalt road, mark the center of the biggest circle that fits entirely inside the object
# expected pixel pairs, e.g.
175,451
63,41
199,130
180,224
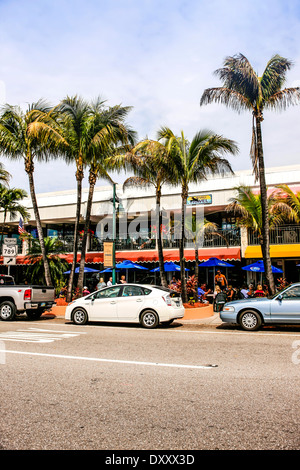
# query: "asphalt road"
113,387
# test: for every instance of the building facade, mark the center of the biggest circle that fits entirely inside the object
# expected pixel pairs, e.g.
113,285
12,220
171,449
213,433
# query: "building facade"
136,225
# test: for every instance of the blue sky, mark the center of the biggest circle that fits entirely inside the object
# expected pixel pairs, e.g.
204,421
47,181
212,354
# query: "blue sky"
157,56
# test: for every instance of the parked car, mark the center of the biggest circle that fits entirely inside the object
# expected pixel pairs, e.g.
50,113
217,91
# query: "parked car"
282,308
19,299
133,303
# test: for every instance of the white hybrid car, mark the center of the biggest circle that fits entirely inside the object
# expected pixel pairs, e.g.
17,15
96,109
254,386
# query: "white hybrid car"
127,303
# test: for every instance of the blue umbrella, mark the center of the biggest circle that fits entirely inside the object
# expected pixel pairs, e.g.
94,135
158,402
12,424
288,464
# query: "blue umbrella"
127,264
215,262
258,267
168,266
109,270
86,270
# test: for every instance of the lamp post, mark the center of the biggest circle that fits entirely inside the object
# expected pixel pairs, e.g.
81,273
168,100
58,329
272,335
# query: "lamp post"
114,200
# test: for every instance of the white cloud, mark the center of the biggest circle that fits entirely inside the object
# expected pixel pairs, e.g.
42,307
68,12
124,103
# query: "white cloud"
157,56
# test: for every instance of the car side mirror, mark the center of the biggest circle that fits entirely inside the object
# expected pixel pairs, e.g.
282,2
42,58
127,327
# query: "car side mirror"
279,297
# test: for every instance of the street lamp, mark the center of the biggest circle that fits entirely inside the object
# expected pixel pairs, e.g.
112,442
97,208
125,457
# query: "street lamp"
114,200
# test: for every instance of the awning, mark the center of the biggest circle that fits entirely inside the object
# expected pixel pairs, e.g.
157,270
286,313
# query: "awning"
276,251
151,256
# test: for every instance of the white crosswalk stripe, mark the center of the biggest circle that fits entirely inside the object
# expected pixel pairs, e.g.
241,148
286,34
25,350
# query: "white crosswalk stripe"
36,335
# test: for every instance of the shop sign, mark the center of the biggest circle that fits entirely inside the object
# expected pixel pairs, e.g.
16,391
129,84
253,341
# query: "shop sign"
201,199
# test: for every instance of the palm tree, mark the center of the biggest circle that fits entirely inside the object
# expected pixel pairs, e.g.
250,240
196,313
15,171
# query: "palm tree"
246,205
16,141
10,203
288,203
194,161
70,129
108,130
242,90
35,271
4,175
151,164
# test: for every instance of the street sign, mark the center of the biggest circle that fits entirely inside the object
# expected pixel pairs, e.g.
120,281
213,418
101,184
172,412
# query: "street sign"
9,250
10,241
9,260
108,254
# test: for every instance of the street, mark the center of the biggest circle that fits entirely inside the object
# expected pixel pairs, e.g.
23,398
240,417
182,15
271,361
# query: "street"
120,387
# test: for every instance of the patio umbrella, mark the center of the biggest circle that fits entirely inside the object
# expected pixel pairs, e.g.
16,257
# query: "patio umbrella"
215,262
258,267
168,266
109,270
86,270
127,264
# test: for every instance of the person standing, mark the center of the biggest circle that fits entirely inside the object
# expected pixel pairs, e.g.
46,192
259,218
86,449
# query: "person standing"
220,280
101,283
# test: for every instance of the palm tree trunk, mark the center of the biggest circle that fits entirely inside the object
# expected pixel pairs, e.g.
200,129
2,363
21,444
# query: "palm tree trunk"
264,208
92,182
79,177
184,194
29,171
196,269
159,240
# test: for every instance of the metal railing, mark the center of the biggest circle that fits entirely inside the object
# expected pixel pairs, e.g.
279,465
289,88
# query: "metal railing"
283,234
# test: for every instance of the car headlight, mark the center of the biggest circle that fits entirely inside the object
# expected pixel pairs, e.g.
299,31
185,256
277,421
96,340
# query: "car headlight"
228,308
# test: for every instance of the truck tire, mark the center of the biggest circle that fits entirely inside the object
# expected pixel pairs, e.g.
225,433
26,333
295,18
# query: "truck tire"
7,310
34,314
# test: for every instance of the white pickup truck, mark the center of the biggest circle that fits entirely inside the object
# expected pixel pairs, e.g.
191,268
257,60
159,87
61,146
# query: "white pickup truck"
18,299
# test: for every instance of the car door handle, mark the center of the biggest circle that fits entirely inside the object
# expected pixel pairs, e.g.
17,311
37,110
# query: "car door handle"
113,302
139,300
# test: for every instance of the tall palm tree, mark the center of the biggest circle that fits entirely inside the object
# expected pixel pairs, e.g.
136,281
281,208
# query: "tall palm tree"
10,204
151,163
108,131
242,90
70,129
16,141
194,161
246,205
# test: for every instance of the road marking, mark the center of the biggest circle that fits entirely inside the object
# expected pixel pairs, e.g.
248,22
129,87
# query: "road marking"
37,335
115,361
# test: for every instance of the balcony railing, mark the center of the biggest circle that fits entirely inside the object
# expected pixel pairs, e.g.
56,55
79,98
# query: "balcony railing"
223,238
284,234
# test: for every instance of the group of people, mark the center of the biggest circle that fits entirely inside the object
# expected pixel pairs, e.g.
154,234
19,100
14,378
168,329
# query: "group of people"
109,283
225,292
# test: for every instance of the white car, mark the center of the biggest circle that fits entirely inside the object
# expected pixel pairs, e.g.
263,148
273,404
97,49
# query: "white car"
127,303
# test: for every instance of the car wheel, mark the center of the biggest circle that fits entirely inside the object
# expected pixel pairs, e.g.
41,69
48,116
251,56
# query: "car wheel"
80,316
7,310
250,320
149,319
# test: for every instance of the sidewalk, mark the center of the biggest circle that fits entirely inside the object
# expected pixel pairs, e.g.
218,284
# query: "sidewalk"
202,315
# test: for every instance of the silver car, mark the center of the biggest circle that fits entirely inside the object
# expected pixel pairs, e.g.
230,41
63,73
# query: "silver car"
282,308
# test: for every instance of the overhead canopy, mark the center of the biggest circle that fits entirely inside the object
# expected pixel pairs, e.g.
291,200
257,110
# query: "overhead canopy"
151,256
